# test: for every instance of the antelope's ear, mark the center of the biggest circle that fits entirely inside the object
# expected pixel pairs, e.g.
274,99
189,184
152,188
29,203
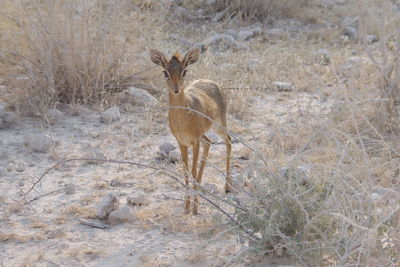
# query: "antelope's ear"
191,57
158,58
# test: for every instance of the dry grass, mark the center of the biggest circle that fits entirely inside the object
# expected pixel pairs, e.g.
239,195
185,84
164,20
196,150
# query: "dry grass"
66,52
328,194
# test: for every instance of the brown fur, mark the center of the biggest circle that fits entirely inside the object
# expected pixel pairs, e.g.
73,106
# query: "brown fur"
193,111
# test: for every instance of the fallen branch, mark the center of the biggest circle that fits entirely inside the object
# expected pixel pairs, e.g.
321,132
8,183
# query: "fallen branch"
167,172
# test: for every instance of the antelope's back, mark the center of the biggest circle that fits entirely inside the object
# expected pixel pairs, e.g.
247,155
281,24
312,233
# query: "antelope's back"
206,97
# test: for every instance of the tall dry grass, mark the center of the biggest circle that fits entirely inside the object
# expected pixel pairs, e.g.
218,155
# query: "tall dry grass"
63,51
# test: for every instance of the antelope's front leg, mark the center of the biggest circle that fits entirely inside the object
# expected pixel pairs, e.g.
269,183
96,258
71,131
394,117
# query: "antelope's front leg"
196,150
184,155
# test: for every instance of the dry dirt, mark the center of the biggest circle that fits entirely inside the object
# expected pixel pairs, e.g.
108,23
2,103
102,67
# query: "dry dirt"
47,231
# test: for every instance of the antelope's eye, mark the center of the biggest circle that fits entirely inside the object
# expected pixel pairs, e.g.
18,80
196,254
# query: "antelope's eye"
166,75
184,73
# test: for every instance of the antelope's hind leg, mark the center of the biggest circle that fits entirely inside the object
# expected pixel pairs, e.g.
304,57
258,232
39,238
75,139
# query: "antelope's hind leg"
206,147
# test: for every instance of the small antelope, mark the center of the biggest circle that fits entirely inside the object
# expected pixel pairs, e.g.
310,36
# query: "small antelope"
193,111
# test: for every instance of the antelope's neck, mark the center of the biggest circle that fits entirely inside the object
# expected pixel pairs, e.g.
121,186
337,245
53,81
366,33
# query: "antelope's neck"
177,100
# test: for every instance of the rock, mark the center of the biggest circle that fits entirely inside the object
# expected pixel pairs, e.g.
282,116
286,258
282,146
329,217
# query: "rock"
215,139
9,118
223,40
244,35
174,156
329,4
139,96
231,32
180,12
276,33
2,108
20,169
54,115
340,2
218,16
108,204
120,215
165,148
350,32
38,142
138,199
210,188
110,115
324,55
370,39
283,86
70,189
96,154
3,171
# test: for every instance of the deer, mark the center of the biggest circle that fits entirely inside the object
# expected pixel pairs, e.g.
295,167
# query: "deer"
193,111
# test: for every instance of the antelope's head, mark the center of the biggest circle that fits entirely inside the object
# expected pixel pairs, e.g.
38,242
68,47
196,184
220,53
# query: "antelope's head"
175,68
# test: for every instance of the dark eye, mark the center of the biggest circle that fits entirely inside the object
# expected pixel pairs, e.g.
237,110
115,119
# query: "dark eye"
166,75
184,73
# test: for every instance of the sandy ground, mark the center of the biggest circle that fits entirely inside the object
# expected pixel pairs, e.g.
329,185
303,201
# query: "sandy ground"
47,232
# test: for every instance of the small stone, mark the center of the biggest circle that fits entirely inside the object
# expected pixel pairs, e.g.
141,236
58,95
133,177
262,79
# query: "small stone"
1,110
324,55
70,189
120,215
276,33
215,139
244,35
54,115
231,32
39,143
140,97
110,115
283,86
165,148
108,204
20,169
9,118
223,41
370,39
350,32
138,200
98,157
174,156
210,188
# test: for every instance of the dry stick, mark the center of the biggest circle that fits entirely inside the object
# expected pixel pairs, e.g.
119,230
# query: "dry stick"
169,173
44,195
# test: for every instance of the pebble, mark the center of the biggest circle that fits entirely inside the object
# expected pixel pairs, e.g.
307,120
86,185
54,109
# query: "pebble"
120,215
138,200
38,143
140,96
70,189
108,204
174,156
283,86
54,115
110,115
